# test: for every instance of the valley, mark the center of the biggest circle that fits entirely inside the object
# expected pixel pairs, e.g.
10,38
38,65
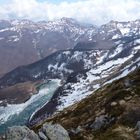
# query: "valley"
89,65
19,113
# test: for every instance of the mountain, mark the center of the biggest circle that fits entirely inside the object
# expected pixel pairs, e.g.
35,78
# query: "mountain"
109,113
83,69
112,40
20,39
80,70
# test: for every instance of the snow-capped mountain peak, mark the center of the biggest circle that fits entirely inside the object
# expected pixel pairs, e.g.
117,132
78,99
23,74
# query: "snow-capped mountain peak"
121,29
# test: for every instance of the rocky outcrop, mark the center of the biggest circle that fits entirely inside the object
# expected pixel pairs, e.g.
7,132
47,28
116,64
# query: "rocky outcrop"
138,130
101,122
20,133
42,136
55,132
49,131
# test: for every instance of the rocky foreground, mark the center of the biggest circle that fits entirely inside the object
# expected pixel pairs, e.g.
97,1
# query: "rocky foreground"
111,113
48,131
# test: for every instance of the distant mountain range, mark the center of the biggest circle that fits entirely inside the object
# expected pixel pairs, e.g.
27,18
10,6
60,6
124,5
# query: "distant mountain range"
23,42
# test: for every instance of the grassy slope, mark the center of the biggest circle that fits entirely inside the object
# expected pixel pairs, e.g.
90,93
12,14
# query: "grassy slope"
119,101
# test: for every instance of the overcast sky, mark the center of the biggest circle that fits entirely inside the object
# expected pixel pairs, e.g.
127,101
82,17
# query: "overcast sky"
92,11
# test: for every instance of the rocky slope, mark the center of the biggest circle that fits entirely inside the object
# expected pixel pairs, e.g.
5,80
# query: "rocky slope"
111,112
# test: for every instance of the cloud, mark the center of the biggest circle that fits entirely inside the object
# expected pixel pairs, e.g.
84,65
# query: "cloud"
92,11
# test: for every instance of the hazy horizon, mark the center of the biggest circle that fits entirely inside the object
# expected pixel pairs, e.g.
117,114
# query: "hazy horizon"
87,11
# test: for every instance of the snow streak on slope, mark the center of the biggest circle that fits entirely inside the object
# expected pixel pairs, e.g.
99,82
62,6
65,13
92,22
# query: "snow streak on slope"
98,76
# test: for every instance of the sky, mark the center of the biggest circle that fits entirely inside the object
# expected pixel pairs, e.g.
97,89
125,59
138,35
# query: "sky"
91,11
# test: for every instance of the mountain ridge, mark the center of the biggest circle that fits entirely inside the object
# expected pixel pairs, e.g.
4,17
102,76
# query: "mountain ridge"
36,40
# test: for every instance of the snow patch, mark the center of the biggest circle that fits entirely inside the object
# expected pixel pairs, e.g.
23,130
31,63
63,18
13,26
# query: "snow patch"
125,31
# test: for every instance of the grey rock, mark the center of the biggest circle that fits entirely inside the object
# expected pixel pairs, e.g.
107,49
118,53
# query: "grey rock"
122,102
100,122
138,130
21,133
42,136
113,104
55,131
128,98
79,129
127,83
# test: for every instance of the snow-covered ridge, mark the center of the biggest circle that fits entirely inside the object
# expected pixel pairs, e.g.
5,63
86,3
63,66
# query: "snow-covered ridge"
74,29
103,67
118,30
98,76
60,25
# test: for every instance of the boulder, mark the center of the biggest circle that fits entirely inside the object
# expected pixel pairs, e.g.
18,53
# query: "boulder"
101,122
42,136
122,102
138,130
55,131
128,98
113,104
21,133
79,129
